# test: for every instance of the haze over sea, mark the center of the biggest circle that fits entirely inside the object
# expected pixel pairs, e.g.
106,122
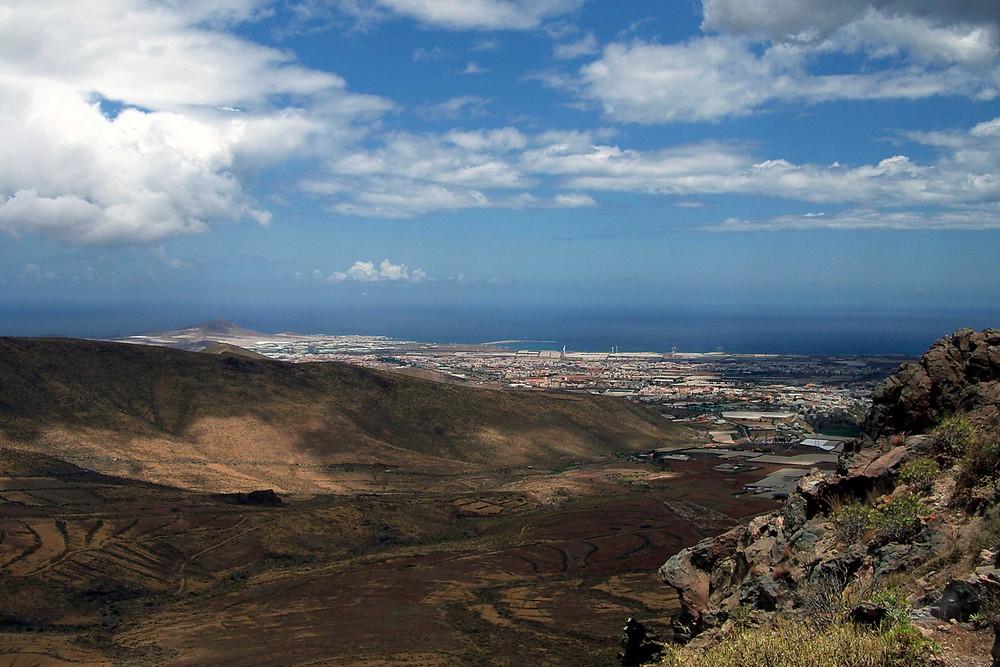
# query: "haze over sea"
579,328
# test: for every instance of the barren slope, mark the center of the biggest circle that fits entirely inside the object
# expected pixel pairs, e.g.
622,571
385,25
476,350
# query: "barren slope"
225,423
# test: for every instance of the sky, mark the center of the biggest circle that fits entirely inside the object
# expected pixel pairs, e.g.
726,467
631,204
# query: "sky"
164,161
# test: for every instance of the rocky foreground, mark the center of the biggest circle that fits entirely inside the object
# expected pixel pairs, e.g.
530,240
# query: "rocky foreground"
912,509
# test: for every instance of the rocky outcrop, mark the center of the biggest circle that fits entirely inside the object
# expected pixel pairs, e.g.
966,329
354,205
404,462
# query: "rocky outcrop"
798,557
959,373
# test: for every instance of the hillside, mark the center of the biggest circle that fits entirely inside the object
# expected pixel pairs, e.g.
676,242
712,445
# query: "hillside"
430,524
231,423
904,539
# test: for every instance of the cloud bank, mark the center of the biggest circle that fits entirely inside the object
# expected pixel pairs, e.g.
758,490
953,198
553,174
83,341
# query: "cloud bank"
137,121
762,53
128,123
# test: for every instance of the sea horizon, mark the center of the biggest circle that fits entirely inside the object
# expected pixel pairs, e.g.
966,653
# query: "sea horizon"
578,328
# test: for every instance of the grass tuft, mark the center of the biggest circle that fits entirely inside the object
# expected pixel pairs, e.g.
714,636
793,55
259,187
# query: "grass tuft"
795,643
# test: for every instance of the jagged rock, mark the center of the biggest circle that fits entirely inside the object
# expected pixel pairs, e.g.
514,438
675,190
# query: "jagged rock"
959,600
761,593
897,557
959,372
691,571
638,644
875,464
796,512
792,550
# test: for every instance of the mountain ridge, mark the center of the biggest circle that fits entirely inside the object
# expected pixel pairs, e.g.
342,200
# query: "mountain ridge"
135,410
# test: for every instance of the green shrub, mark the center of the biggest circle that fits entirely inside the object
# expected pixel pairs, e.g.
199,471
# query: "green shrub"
899,519
920,474
981,461
792,643
852,521
952,436
894,601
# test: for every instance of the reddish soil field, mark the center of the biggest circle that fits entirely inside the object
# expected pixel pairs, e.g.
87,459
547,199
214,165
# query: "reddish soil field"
542,569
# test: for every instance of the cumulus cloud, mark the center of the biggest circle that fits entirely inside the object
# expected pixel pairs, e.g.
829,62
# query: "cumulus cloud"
474,68
816,21
127,123
756,54
585,46
368,272
711,78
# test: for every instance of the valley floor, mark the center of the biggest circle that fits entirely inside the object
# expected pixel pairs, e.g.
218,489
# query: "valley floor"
519,566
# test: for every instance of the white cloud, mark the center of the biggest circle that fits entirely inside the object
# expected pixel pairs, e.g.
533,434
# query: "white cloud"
411,175
969,25
978,218
466,14
131,123
762,53
585,46
436,54
473,68
456,107
716,77
367,272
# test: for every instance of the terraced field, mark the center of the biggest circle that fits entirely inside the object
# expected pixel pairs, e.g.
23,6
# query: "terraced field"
538,568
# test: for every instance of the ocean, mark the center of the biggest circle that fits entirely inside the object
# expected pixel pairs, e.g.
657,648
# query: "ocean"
585,329
643,329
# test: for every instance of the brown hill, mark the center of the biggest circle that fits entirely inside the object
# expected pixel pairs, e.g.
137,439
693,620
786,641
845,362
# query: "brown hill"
228,423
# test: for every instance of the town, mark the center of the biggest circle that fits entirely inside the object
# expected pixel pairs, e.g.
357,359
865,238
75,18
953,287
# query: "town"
830,394
781,415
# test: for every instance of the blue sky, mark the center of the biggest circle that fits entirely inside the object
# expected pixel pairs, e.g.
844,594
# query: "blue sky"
174,159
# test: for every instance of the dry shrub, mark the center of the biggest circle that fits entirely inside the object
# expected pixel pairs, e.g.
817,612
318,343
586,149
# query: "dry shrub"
853,520
952,436
792,643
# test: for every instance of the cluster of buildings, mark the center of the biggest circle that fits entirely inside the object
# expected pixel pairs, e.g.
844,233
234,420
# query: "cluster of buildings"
808,386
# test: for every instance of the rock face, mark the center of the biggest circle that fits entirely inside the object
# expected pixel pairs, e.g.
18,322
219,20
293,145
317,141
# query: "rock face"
959,373
797,557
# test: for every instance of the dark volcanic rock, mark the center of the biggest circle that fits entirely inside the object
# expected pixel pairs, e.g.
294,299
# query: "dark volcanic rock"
780,559
868,613
959,372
